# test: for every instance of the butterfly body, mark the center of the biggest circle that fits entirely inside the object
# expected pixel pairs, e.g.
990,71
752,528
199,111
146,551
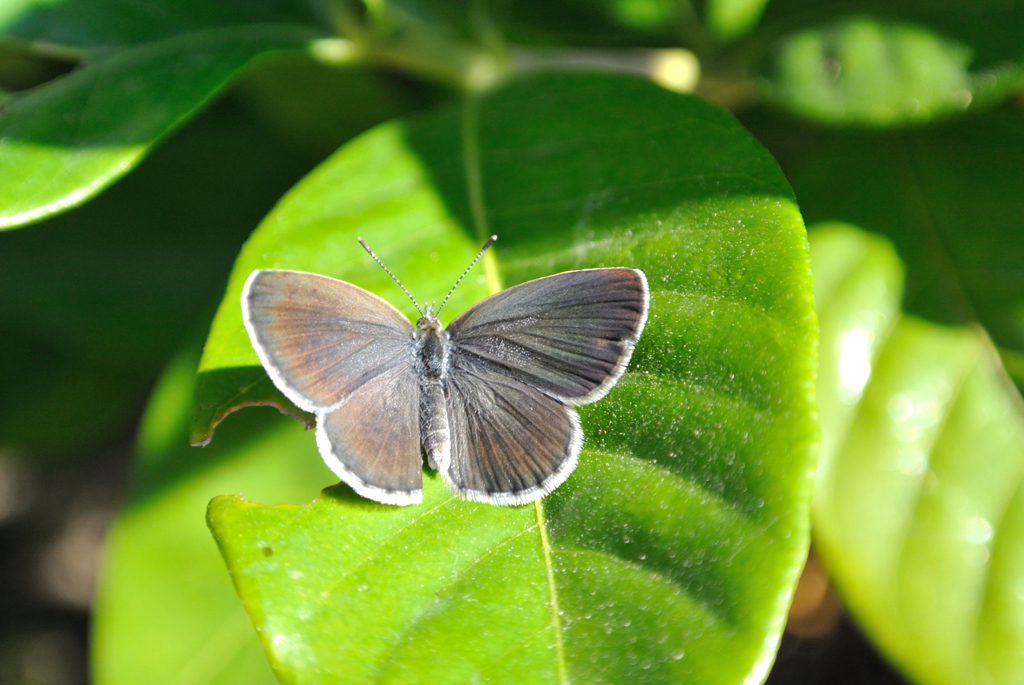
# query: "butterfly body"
490,399
431,349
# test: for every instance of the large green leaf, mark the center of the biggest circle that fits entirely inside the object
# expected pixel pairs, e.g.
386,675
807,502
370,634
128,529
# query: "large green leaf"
671,552
62,143
918,507
866,72
165,612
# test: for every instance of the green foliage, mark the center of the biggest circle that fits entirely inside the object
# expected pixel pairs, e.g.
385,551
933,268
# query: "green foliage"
990,28
97,25
94,302
166,611
917,501
950,198
65,141
861,71
673,550
732,18
678,538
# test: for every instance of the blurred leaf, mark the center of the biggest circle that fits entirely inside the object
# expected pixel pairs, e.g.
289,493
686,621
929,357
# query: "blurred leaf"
730,19
865,72
166,613
93,302
918,507
24,65
951,198
990,29
121,281
671,553
594,22
62,143
103,24
643,14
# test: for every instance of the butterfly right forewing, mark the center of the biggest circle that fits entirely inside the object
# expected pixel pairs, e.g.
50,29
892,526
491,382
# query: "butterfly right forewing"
569,335
519,361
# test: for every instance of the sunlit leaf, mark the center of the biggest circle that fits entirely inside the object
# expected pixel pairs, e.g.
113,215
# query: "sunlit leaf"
990,29
671,552
166,613
65,141
918,510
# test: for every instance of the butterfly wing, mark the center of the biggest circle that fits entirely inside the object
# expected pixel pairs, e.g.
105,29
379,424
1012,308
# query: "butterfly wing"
569,335
510,443
519,361
346,355
372,441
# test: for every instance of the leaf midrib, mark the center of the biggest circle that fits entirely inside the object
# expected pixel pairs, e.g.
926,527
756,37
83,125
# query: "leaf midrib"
474,188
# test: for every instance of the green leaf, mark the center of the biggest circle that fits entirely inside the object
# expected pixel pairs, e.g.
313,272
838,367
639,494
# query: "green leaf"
730,19
867,72
165,612
918,499
671,552
121,282
102,24
65,141
991,29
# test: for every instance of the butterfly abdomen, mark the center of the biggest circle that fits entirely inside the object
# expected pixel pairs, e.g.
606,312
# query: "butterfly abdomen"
431,362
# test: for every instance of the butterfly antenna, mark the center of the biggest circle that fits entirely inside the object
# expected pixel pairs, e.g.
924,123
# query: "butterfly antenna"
490,241
393,277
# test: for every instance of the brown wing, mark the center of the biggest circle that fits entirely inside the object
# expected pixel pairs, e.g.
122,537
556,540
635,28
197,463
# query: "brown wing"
372,441
570,335
510,443
320,338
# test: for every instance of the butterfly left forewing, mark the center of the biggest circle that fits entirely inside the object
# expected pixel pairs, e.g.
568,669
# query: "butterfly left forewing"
320,338
570,335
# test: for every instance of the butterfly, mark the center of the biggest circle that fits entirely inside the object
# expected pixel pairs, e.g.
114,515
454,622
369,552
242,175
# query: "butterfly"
490,399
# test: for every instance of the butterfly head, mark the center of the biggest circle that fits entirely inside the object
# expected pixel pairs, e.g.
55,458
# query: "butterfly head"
429,321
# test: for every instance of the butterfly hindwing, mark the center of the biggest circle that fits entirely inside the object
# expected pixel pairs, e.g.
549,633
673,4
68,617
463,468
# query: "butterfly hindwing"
372,441
510,443
569,335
